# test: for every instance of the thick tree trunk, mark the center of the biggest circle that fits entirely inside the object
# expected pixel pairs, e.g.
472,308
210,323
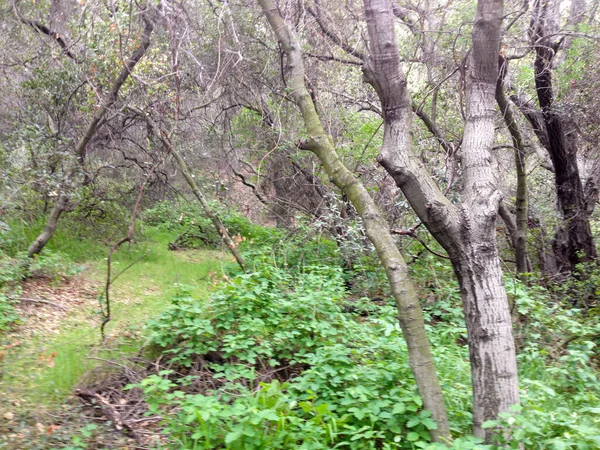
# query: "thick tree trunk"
573,242
40,242
466,232
492,350
409,309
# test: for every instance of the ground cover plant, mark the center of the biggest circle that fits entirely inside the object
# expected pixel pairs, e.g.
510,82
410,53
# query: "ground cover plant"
291,359
300,352
51,338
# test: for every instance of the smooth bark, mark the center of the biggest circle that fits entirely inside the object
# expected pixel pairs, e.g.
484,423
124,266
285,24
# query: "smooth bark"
187,174
467,232
207,209
377,230
40,242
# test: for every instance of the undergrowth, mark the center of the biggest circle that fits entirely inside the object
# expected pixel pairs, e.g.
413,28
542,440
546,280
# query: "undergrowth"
289,356
304,351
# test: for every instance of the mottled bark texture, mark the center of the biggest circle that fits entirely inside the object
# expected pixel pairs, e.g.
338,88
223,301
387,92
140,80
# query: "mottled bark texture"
80,151
409,310
467,231
573,241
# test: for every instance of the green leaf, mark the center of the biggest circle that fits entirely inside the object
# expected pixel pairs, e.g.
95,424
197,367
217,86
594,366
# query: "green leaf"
413,436
413,422
232,436
429,423
400,408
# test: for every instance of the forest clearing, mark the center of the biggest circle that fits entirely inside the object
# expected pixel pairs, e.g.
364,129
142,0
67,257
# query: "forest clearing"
299,224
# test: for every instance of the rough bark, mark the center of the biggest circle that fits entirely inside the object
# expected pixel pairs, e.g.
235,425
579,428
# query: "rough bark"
519,235
80,151
377,230
466,232
573,241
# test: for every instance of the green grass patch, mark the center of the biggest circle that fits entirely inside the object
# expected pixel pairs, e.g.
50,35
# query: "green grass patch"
45,368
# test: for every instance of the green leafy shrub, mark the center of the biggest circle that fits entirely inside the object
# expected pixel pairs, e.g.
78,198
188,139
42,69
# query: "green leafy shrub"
8,313
347,379
263,318
197,230
268,418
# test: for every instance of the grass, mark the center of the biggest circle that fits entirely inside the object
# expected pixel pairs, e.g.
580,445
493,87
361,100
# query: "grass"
141,292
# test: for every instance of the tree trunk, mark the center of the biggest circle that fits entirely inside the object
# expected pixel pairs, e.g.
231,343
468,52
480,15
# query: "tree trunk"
573,241
519,236
492,350
468,232
207,209
160,134
511,226
40,242
409,309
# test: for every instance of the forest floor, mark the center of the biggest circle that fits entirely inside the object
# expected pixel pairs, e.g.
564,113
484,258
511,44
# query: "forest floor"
58,347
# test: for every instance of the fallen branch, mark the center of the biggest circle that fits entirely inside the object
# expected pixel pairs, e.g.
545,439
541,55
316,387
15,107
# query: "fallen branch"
43,302
108,410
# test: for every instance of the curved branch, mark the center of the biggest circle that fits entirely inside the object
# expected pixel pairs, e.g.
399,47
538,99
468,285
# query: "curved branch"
43,29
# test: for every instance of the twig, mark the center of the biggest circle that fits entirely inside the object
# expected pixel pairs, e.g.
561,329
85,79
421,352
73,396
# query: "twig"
110,362
108,410
128,238
44,302
413,235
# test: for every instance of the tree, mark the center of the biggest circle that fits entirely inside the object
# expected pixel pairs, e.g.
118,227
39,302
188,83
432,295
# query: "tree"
95,123
518,227
573,241
466,231
409,310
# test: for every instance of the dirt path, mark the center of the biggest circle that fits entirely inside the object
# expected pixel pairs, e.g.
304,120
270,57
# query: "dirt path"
44,358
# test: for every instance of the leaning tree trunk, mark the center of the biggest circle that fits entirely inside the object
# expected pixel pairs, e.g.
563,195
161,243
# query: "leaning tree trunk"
40,242
233,248
467,232
187,174
81,149
377,230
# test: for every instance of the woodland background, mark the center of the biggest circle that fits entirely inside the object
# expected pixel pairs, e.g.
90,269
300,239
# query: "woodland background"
299,224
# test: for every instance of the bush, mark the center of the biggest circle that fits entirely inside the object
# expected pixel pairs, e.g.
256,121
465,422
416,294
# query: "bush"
197,230
291,369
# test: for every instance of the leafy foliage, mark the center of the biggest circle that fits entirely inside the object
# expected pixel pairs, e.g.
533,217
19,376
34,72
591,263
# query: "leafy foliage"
296,362
276,325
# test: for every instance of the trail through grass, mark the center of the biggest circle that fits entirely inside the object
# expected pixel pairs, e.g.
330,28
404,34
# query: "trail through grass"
45,366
